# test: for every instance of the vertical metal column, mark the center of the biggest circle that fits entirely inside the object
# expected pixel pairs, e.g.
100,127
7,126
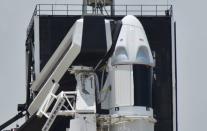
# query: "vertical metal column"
84,8
113,8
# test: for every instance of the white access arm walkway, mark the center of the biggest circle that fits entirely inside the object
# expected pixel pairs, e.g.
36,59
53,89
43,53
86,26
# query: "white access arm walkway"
58,64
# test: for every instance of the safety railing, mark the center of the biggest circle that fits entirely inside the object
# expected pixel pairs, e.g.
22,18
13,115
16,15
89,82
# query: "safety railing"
77,9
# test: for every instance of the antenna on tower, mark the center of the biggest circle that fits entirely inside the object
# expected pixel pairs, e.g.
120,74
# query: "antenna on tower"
98,6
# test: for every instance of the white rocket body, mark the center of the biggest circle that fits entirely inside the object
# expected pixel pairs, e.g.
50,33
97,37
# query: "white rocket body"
126,92
132,48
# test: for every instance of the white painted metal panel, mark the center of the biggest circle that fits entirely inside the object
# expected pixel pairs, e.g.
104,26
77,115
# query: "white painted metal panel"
53,61
136,125
85,101
83,123
108,34
174,79
62,65
122,88
37,45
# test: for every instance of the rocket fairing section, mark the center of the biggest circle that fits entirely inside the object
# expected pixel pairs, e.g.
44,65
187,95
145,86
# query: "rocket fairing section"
132,57
130,72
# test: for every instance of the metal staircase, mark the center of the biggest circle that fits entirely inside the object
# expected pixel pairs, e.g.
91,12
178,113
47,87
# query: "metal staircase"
64,102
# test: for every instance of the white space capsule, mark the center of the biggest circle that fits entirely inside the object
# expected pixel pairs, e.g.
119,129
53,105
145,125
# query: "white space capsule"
131,79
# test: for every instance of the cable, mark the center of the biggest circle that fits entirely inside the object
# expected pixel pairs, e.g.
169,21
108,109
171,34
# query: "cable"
12,120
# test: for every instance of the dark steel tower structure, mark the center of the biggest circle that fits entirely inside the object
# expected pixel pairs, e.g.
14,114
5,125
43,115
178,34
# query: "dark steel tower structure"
51,22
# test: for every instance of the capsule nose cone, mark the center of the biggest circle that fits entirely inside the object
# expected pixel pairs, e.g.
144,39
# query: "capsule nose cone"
131,20
132,45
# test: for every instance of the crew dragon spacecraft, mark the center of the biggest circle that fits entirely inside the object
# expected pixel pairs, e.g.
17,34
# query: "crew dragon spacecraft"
96,72
127,58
